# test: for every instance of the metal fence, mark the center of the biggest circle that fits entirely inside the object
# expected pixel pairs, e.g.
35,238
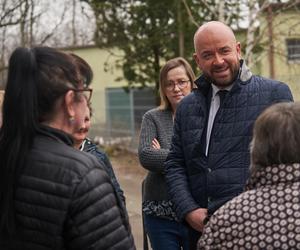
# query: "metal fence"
123,116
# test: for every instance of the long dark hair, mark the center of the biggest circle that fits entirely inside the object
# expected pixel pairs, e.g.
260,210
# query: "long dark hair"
37,77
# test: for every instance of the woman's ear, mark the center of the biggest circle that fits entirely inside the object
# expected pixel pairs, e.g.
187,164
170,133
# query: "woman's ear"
69,101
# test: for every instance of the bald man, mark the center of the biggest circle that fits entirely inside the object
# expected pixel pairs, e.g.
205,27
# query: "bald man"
208,163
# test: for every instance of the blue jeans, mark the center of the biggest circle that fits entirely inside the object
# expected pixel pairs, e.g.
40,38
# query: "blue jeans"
166,234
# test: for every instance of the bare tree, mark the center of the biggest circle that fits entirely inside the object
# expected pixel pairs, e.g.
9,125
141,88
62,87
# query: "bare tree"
74,35
9,9
35,22
9,17
251,12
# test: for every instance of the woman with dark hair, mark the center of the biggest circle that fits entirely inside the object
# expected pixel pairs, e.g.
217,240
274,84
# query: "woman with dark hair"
51,195
83,143
161,224
267,215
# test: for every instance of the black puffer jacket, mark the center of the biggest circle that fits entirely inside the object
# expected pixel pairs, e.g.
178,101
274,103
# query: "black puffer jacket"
65,200
196,180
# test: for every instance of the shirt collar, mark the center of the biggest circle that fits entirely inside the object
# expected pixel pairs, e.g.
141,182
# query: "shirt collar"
215,89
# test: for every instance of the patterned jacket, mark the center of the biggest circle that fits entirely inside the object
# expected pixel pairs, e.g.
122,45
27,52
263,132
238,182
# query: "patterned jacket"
266,216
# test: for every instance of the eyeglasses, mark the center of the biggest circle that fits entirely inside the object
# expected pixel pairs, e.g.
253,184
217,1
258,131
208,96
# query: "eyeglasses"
181,84
87,92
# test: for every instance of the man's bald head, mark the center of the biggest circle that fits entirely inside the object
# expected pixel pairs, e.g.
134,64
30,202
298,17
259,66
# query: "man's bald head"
210,28
217,53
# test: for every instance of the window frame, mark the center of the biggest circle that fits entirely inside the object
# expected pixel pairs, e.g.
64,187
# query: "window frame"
293,50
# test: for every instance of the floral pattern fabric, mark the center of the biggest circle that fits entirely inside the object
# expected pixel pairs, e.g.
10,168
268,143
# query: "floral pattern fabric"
162,209
266,216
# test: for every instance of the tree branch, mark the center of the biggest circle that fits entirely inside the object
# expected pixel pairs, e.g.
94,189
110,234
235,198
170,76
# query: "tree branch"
190,13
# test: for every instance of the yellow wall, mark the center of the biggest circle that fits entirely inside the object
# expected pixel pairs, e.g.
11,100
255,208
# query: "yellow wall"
285,25
97,58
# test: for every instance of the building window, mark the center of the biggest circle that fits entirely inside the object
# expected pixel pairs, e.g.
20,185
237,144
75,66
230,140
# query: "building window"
293,50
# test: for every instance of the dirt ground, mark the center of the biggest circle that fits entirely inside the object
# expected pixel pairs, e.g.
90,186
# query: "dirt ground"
130,175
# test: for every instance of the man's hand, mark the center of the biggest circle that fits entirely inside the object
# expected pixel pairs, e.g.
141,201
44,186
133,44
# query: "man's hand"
196,218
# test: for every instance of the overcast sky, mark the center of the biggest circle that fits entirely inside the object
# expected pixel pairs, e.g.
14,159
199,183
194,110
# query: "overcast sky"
51,13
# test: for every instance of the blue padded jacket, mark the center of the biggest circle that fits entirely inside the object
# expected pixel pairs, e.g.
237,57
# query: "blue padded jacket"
195,180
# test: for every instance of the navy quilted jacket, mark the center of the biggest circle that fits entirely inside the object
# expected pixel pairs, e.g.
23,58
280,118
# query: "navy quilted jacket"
89,147
195,180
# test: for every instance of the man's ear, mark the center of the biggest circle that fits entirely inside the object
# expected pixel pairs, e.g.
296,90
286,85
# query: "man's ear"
69,101
238,50
196,59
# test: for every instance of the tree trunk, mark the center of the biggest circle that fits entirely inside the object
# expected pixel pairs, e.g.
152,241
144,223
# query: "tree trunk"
74,36
271,41
23,14
157,71
180,29
250,33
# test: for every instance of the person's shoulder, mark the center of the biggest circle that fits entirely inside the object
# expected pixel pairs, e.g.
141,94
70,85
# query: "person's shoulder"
153,111
263,81
190,100
83,161
259,84
63,158
156,112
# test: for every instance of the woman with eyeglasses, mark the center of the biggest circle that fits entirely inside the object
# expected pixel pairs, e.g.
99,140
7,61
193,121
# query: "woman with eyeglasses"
52,196
83,143
160,221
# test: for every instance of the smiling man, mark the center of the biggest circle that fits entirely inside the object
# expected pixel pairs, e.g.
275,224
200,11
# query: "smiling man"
217,53
208,163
